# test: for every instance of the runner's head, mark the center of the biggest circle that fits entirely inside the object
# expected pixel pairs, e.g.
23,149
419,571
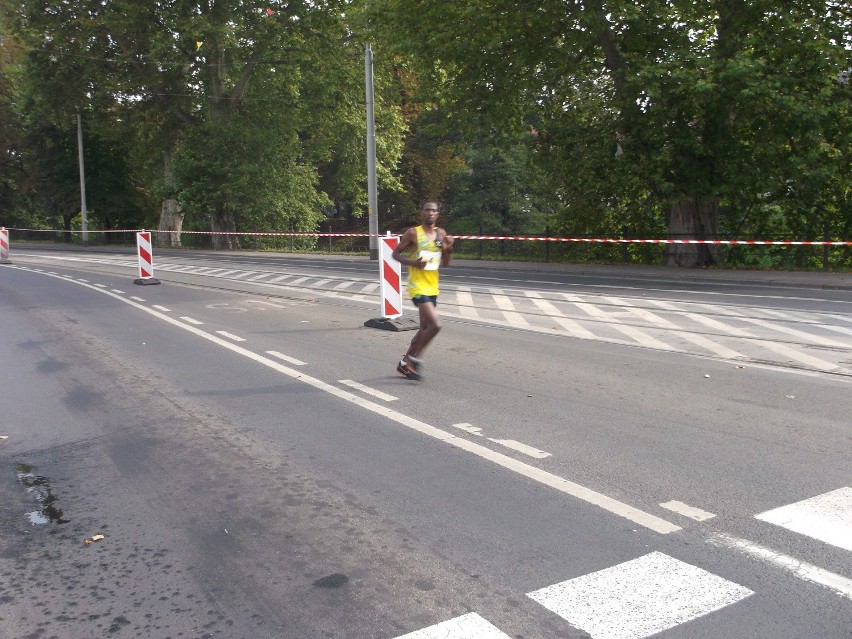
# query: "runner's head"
429,212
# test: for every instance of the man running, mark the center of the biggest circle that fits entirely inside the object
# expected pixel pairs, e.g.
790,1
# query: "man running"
423,249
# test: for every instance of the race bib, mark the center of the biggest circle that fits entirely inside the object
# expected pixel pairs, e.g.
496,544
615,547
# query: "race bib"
432,259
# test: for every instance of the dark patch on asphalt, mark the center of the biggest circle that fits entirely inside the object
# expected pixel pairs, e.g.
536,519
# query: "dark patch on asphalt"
332,581
51,365
39,487
83,399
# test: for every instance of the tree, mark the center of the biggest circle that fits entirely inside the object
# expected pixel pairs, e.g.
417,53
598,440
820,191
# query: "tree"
223,98
691,104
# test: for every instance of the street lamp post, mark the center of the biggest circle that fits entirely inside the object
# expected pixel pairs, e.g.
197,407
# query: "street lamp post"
372,197
83,212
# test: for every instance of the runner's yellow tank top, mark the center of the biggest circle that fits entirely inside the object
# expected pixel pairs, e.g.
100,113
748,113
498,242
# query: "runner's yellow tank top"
421,281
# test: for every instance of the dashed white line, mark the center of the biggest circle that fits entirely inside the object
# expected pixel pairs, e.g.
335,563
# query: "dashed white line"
286,358
138,299
162,308
687,511
236,338
369,391
469,428
521,448
192,321
115,290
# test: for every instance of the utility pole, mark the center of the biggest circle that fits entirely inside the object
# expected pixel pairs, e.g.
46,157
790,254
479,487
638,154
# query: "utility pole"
372,196
83,212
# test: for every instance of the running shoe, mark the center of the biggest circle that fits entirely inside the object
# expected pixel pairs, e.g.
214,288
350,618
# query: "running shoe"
406,370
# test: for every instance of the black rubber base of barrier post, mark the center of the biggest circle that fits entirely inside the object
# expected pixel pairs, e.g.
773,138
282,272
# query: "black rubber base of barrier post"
395,324
146,281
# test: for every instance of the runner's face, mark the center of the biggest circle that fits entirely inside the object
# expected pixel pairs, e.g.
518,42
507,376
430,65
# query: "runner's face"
429,213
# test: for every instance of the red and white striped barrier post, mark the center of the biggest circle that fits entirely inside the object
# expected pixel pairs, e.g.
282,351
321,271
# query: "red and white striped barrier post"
391,279
146,259
390,286
4,246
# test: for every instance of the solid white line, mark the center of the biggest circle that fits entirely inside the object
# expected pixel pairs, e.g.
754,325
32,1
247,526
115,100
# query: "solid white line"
286,358
162,308
687,511
192,321
469,626
236,338
803,570
652,522
521,448
368,390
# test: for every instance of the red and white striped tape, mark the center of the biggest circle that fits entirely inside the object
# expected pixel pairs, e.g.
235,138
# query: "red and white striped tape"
4,244
517,238
391,278
146,258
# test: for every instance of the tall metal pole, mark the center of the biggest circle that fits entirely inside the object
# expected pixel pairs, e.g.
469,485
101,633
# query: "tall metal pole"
83,212
372,196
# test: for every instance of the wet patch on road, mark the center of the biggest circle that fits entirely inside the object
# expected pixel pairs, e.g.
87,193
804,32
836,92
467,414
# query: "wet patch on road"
39,487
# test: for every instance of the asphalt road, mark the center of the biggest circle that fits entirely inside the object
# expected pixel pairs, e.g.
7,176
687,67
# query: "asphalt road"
585,457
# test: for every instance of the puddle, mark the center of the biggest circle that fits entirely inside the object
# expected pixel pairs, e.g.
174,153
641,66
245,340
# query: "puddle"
39,487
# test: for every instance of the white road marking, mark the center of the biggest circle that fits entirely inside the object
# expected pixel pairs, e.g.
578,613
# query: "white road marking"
299,280
115,290
464,300
236,338
192,321
368,390
369,288
687,511
162,308
639,598
521,448
320,283
227,273
469,428
469,626
82,280
816,339
633,333
826,517
138,299
557,316
286,358
260,277
279,278
504,303
652,522
698,340
241,274
342,286
98,285
801,569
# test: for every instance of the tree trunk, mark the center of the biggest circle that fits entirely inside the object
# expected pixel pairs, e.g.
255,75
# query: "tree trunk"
694,218
222,221
171,218
171,224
